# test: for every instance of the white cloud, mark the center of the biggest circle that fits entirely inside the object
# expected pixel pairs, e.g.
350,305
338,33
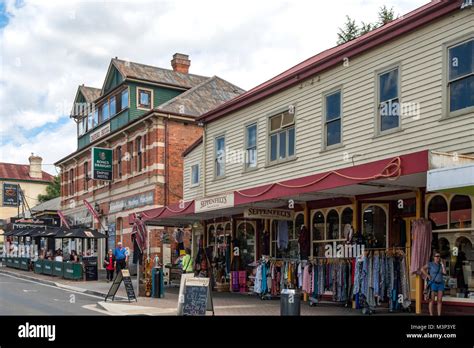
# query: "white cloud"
50,47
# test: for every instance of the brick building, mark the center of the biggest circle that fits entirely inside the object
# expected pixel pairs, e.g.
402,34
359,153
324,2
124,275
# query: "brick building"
146,115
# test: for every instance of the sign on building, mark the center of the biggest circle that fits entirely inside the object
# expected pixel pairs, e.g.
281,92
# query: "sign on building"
214,203
102,160
10,195
274,214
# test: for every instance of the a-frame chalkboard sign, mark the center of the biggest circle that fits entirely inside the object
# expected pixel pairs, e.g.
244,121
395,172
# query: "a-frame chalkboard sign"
195,297
127,281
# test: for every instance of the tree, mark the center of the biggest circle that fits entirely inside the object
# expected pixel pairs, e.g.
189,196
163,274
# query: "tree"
53,190
385,15
349,32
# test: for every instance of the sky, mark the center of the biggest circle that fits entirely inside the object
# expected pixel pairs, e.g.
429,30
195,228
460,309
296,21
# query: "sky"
50,47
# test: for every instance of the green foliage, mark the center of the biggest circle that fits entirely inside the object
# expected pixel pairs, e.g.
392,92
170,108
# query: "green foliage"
351,30
53,190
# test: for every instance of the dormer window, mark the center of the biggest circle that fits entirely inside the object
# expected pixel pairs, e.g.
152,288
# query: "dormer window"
144,98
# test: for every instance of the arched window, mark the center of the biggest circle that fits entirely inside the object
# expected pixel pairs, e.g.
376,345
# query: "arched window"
299,221
318,226
375,226
332,225
347,217
438,213
460,212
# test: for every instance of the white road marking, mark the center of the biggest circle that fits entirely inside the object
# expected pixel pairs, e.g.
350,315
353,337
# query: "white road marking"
51,286
93,307
26,290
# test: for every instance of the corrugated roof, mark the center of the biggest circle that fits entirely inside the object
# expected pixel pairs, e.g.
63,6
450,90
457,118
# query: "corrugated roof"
20,172
155,74
53,204
335,55
202,98
90,93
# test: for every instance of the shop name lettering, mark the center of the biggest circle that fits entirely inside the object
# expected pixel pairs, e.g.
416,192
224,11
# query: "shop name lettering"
273,212
219,200
37,331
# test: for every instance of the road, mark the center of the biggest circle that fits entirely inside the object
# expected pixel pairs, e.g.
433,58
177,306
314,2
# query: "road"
23,297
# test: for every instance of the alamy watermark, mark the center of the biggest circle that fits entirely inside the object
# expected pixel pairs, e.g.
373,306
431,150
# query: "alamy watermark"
334,250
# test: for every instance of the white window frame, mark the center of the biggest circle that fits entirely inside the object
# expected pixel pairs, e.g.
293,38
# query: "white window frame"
326,94
191,183
247,148
446,81
216,158
378,120
138,98
286,129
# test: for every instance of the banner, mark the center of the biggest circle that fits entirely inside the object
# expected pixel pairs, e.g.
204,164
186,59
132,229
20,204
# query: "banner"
101,167
274,214
10,195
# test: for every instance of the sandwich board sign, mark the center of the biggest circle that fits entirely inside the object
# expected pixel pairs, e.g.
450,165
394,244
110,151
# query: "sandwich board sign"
195,297
127,281
102,160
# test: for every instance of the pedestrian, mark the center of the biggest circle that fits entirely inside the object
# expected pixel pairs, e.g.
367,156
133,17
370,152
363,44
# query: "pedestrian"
121,257
73,256
187,262
179,238
434,272
110,264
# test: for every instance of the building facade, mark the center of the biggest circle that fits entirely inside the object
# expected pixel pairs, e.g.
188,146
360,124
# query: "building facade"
146,116
344,143
30,179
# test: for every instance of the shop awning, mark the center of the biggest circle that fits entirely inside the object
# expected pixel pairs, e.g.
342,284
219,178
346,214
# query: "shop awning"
80,233
452,179
401,174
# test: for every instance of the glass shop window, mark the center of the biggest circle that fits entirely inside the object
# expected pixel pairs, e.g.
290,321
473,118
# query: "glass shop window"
375,227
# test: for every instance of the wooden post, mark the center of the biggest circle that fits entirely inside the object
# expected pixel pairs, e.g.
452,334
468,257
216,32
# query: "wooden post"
418,281
306,223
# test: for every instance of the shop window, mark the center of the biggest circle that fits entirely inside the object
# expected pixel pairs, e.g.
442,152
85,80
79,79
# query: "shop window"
332,225
333,116
438,213
299,221
388,100
460,212
246,243
461,76
317,234
251,146
282,136
375,226
347,217
219,156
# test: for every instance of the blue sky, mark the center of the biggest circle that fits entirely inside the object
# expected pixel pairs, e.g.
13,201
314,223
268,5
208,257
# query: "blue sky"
48,48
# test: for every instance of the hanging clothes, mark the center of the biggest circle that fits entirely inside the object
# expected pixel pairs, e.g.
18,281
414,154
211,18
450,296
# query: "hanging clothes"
304,243
421,246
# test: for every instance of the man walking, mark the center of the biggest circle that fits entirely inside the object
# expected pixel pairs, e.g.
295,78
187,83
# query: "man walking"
121,257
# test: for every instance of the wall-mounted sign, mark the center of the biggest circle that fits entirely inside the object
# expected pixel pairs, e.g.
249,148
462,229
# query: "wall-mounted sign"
131,202
101,163
82,217
100,132
10,195
214,203
274,214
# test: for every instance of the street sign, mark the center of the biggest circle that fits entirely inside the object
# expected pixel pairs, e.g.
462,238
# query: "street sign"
10,195
101,167
125,276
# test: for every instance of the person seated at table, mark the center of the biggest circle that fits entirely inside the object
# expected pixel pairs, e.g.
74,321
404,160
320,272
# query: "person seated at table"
59,256
73,257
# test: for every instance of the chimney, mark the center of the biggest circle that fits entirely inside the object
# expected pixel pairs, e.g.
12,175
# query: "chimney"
35,166
180,63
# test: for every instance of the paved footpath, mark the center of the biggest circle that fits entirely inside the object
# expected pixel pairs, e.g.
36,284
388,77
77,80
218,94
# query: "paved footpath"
225,303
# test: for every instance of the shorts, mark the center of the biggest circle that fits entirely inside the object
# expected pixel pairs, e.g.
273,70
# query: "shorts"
437,287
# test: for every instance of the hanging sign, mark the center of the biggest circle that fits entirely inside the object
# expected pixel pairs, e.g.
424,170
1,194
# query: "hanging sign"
214,203
10,195
274,214
101,163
